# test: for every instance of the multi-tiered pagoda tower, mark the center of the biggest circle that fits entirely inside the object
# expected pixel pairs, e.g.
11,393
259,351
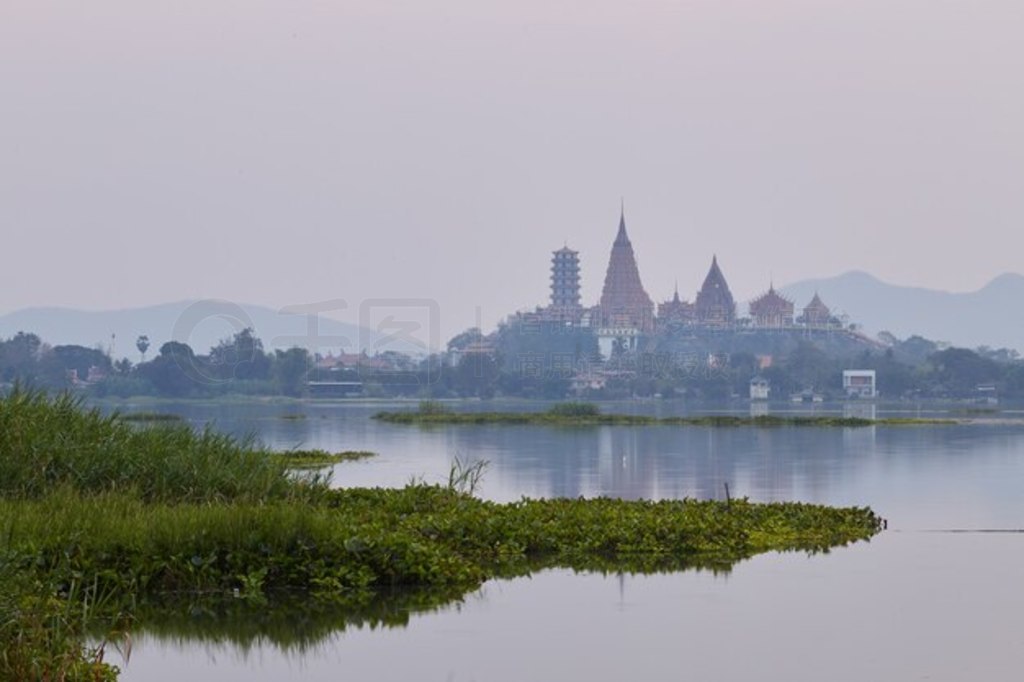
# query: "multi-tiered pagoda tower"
624,303
565,284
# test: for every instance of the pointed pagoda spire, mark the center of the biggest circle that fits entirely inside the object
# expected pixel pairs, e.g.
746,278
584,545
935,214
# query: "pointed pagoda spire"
623,299
715,304
622,237
715,278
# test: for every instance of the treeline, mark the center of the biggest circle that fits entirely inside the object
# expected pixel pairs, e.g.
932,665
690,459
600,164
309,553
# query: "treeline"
914,369
235,365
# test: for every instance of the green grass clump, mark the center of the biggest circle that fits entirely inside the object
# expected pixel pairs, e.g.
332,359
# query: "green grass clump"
574,409
43,630
319,459
150,417
368,539
47,443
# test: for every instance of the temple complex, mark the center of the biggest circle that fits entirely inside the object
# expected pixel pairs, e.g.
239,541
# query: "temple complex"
625,313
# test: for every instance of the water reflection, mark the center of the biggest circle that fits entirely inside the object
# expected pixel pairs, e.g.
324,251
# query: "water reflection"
291,623
917,476
872,611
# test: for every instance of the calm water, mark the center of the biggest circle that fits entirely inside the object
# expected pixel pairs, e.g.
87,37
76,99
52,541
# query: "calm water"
917,603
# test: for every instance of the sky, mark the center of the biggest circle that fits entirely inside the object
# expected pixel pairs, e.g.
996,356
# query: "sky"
287,153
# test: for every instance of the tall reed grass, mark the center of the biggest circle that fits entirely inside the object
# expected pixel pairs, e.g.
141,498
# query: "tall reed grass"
46,443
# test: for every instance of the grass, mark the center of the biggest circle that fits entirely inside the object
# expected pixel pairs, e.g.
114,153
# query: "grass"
150,417
319,459
49,443
166,513
43,627
588,414
367,539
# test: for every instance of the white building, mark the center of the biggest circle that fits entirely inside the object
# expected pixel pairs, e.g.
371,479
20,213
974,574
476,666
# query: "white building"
759,388
860,383
609,339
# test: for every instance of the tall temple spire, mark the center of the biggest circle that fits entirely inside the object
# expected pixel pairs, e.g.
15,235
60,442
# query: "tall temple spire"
624,303
622,237
715,304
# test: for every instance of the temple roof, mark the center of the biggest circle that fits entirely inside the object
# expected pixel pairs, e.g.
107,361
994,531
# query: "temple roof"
714,300
817,305
771,300
715,279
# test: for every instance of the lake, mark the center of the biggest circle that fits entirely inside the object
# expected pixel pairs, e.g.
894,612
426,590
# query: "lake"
935,597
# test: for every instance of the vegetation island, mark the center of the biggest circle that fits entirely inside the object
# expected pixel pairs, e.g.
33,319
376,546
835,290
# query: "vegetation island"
112,526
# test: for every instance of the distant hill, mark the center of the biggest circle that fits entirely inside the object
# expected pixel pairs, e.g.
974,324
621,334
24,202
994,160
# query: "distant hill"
991,316
200,324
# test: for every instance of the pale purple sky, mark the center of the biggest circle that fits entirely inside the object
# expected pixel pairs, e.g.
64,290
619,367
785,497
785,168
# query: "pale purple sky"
290,152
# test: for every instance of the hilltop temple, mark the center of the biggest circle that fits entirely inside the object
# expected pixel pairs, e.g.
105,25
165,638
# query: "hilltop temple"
625,312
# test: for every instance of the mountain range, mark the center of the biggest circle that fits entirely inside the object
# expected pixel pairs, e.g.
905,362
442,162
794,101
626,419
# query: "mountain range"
991,316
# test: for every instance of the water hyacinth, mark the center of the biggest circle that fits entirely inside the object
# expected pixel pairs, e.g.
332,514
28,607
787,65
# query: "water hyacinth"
156,512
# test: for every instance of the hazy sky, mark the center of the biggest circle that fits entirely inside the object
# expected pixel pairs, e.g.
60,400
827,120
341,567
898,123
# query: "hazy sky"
291,152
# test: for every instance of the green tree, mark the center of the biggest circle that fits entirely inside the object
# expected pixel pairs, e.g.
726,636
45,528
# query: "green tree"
142,343
57,363
289,370
240,357
959,371
176,372
464,339
19,357
476,375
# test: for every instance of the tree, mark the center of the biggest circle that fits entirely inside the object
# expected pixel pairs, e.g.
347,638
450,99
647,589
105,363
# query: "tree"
19,357
56,364
809,367
464,339
240,357
476,375
959,371
176,371
142,343
289,370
